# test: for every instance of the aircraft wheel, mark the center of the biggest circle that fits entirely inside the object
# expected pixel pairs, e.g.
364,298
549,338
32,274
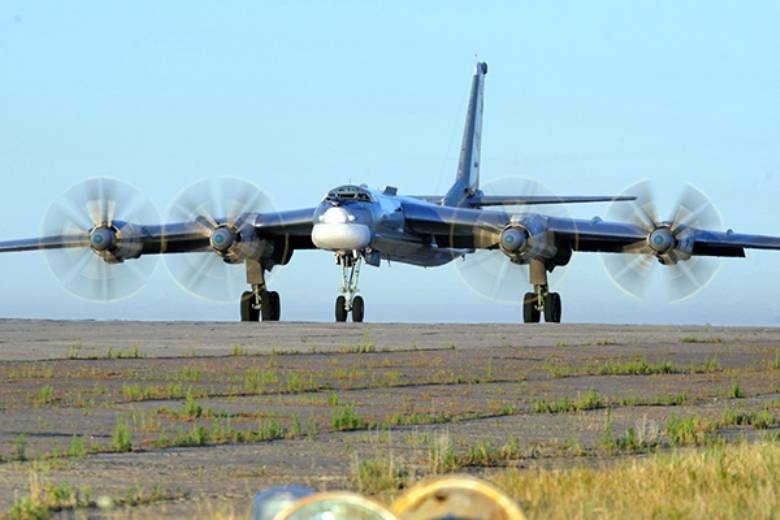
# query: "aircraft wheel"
266,306
276,305
530,312
358,309
248,311
552,308
341,310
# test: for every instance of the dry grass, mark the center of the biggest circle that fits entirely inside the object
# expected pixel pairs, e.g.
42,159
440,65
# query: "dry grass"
731,481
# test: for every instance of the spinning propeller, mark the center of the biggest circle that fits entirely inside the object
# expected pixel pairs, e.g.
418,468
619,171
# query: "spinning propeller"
488,271
223,211
667,242
102,220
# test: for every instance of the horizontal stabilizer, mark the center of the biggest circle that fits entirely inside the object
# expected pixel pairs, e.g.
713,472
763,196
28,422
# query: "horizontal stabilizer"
490,200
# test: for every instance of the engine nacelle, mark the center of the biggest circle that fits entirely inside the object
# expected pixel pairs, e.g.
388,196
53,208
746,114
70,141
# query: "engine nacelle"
117,243
527,238
671,246
235,245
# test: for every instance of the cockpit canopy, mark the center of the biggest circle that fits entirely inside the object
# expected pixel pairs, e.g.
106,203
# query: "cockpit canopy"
349,193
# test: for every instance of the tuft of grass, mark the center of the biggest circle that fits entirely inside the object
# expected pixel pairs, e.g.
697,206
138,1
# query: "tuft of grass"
256,380
347,419
189,374
759,420
21,447
776,363
639,367
735,392
645,434
74,349
77,447
238,351
688,431
700,339
657,400
122,437
366,346
333,399
378,475
136,392
441,455
711,364
45,395
31,371
270,430
191,409
592,400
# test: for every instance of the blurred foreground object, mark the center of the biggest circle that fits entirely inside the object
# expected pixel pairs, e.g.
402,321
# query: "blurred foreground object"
336,506
458,497
270,502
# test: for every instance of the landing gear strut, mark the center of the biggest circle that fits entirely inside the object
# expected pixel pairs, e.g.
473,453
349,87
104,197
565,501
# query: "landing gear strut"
348,301
259,303
541,300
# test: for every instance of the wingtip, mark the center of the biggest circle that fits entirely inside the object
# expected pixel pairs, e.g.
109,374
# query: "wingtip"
481,68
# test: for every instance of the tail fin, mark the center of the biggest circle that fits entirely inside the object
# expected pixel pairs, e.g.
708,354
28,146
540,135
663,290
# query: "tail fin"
467,180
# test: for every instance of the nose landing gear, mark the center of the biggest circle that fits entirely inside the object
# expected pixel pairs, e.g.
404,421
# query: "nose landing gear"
348,301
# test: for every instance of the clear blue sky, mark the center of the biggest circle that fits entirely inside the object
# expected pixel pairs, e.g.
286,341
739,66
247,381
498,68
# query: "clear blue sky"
302,96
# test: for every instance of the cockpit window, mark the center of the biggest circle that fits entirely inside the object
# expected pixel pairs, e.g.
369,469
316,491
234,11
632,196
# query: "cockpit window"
348,193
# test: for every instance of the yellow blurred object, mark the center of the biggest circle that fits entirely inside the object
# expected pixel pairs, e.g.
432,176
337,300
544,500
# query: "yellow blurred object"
456,497
335,506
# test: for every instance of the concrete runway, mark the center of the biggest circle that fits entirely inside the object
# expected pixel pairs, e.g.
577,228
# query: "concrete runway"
476,383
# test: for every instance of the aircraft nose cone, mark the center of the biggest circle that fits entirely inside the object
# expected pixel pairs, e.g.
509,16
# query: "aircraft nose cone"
338,232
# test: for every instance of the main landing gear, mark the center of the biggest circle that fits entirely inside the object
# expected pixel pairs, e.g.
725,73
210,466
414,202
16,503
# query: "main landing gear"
259,303
348,301
541,300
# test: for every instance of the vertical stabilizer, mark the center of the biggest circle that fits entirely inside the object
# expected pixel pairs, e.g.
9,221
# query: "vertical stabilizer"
467,180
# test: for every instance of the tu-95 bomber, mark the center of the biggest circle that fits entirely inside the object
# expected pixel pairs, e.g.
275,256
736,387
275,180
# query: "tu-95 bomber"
97,237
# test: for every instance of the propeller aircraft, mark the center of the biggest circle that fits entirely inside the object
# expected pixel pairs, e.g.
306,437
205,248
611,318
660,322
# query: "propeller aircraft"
100,237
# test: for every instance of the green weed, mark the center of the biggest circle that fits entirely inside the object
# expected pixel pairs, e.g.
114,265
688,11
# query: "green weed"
122,437
347,419
735,392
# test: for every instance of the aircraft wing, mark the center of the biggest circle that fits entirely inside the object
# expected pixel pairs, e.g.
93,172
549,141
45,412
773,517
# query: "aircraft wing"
598,235
182,237
474,228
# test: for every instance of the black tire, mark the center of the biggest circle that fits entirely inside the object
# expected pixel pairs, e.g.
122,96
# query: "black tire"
530,313
341,311
358,309
552,308
276,305
266,306
248,311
